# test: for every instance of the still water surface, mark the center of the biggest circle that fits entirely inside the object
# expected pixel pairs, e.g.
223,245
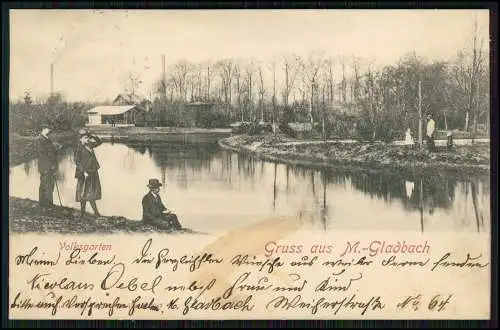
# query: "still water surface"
215,191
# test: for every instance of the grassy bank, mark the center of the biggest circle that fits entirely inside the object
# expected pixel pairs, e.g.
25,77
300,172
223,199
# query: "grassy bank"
462,161
25,216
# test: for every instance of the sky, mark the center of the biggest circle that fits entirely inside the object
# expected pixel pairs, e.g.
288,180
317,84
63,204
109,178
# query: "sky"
92,50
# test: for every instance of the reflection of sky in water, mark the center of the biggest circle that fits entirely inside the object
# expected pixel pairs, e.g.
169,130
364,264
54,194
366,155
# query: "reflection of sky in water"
213,190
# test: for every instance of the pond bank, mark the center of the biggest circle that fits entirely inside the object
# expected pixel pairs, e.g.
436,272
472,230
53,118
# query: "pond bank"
25,215
471,160
157,134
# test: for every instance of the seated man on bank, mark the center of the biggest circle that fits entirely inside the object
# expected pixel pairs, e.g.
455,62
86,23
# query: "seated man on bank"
154,211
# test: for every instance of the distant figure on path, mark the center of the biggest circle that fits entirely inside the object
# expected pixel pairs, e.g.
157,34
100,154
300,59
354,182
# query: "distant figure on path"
154,211
431,127
47,164
449,141
408,138
88,187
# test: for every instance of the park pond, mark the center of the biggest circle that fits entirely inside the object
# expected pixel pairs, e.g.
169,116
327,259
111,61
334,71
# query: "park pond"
215,191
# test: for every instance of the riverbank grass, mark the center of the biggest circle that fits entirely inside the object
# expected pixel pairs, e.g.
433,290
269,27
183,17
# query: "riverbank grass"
466,158
26,216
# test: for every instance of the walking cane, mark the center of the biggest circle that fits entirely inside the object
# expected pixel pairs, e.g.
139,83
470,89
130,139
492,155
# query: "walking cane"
58,194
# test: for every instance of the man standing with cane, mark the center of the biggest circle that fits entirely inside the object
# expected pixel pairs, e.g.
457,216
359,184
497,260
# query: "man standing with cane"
47,165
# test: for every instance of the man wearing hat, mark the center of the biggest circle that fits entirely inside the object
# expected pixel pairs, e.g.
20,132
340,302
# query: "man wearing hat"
154,211
47,163
431,127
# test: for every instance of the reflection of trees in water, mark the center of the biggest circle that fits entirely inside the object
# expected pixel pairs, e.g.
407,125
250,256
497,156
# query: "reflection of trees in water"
438,191
188,158
65,156
27,168
421,193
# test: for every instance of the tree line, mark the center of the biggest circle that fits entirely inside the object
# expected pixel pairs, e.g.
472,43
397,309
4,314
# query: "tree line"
338,96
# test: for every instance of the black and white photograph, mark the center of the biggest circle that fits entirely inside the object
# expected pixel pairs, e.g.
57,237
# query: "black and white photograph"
201,124
362,119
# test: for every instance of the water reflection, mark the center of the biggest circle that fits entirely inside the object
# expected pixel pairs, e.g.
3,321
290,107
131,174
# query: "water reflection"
215,190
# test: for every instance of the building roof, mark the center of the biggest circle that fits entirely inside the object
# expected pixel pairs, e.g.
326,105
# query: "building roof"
135,98
111,109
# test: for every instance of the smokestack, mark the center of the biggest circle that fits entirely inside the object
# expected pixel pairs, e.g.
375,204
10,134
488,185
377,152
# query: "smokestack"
164,76
51,79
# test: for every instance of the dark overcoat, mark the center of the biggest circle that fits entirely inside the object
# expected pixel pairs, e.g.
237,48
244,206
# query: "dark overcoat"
47,155
152,213
87,188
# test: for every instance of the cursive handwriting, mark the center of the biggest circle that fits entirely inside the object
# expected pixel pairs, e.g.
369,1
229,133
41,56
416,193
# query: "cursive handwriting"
54,302
31,260
40,282
150,305
244,260
469,262
113,279
344,264
284,303
331,284
437,303
240,284
392,261
94,259
219,303
162,257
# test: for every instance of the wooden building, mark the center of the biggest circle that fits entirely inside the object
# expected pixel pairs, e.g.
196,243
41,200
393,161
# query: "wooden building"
122,115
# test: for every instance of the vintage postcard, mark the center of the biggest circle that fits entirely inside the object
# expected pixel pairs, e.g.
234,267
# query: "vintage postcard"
242,164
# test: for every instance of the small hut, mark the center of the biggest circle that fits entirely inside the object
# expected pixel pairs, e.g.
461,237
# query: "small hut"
121,115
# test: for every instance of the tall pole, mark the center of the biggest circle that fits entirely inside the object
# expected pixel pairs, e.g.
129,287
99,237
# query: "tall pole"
51,79
208,83
164,77
164,91
422,205
420,113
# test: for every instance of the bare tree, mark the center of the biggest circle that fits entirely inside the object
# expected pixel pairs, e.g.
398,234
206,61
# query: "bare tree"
179,75
262,91
311,67
225,70
330,79
272,68
238,80
356,85
343,82
475,73
249,76
196,80
206,79
131,82
290,67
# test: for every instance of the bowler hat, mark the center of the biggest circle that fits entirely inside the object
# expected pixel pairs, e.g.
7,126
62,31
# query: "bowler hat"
154,183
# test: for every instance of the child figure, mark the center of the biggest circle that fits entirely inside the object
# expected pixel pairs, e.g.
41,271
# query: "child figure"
449,141
408,137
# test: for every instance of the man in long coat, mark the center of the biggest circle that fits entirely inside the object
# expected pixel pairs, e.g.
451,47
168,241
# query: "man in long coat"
154,211
47,164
